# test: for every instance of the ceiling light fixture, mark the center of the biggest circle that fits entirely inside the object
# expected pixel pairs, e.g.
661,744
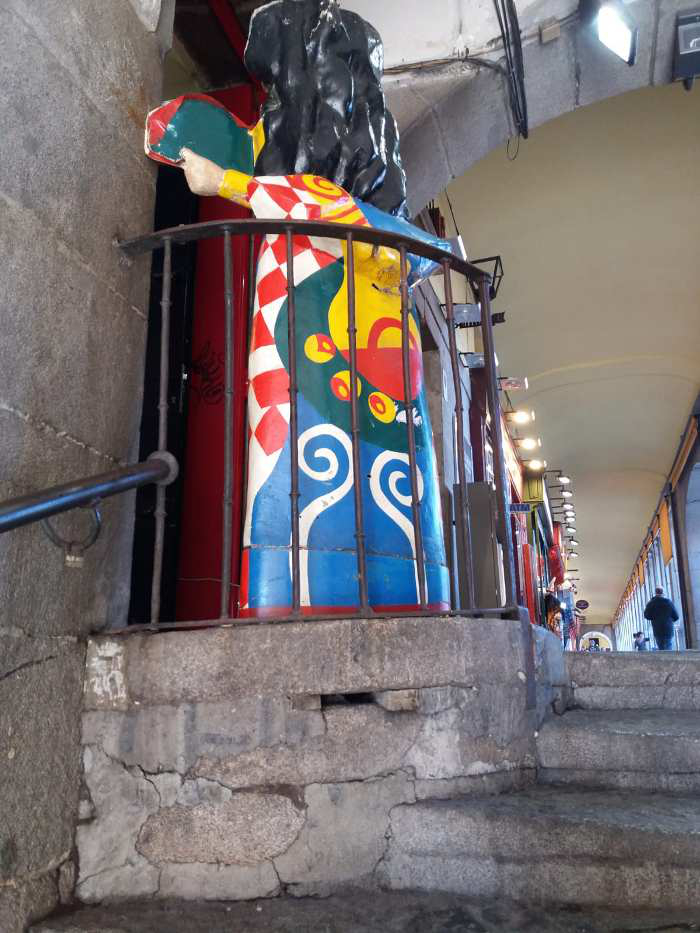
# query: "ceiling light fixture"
567,495
617,31
564,480
573,554
573,542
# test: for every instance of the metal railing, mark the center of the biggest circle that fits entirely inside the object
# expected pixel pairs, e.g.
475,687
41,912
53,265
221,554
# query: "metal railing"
161,468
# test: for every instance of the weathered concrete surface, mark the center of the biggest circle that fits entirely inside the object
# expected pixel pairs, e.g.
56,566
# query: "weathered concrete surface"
364,912
245,829
78,78
633,668
546,845
174,738
552,684
313,658
250,760
635,680
121,800
345,833
39,751
652,749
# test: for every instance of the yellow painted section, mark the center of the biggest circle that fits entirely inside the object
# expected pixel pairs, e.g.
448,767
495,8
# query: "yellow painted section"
257,134
377,297
665,527
234,187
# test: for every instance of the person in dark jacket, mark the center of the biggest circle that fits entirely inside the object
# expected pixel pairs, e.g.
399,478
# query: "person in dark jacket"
662,614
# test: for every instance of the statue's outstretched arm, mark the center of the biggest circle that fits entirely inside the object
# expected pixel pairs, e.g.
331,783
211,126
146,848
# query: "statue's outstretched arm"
207,178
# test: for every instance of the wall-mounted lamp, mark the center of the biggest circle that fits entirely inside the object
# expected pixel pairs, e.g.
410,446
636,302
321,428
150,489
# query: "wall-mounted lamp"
686,58
617,31
573,542
563,479
567,494
573,554
520,416
536,465
529,443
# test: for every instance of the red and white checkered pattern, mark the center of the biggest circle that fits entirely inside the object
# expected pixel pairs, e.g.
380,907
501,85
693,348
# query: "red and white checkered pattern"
268,393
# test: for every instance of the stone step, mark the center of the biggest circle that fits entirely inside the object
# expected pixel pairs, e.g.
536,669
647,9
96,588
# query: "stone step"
635,680
558,845
361,911
652,750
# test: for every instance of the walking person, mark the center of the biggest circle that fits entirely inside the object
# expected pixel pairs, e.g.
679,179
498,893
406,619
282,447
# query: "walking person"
661,612
640,642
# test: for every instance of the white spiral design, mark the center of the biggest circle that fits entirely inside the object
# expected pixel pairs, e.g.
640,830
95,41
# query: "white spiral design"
324,501
388,507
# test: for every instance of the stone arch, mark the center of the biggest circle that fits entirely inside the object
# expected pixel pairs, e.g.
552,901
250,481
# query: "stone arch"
573,71
605,639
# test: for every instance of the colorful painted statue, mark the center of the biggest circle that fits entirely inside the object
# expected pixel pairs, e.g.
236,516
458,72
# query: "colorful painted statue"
223,158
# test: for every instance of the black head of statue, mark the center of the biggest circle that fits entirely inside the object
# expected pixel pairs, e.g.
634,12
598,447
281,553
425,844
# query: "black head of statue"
325,113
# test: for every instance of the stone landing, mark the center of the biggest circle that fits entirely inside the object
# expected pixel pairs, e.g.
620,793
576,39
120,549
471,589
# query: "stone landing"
245,761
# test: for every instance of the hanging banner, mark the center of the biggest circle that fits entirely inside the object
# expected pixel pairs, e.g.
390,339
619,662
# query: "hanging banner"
665,528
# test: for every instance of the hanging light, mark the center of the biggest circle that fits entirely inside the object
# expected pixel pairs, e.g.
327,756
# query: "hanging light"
567,495
573,554
563,479
572,541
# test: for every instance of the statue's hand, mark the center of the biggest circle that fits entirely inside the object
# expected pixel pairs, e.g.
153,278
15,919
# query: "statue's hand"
203,176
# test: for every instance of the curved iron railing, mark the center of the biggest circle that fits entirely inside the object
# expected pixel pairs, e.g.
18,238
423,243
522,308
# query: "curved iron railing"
39,505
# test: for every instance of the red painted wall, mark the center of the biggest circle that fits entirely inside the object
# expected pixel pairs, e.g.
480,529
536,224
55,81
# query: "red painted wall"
199,571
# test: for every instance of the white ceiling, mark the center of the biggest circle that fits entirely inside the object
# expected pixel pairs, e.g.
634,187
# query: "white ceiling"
598,223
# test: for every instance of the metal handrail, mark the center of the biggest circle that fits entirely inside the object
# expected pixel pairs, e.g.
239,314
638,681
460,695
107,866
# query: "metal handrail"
160,468
253,226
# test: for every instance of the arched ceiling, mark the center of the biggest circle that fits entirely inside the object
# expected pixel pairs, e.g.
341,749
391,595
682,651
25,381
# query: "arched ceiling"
598,224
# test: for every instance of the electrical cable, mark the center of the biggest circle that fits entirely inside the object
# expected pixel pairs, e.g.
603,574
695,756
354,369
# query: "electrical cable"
507,17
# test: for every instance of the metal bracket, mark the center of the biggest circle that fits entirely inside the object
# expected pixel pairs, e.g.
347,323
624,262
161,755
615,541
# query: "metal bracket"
74,551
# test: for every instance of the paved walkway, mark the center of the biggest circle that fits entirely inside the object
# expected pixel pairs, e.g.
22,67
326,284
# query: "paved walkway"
360,912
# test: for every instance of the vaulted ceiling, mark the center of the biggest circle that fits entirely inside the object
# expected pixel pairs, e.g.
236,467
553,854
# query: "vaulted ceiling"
598,224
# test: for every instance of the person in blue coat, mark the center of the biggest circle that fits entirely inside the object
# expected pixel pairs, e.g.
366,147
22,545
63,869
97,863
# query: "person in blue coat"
661,612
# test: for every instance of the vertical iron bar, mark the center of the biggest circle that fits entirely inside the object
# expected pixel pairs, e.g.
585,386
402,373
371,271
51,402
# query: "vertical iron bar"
160,513
227,498
293,425
412,465
499,466
464,519
355,433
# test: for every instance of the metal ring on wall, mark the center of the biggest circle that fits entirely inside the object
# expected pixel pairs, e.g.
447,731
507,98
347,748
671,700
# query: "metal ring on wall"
74,550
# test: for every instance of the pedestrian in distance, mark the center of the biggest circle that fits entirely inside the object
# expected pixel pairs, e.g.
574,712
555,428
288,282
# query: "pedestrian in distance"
661,612
640,642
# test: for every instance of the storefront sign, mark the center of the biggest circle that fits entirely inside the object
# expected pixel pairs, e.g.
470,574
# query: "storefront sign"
582,604
520,507
512,463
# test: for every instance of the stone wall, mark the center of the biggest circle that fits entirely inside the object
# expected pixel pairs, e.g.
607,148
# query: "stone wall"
78,79
237,763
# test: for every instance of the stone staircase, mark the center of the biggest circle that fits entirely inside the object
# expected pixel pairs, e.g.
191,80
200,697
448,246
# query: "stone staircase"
612,825
615,818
